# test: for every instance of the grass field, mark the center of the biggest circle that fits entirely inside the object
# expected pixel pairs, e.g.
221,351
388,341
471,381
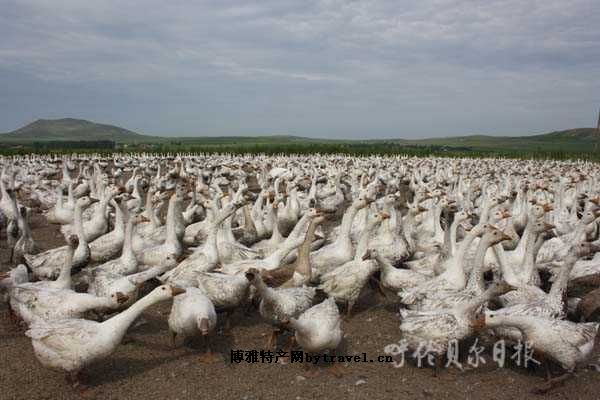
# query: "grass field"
73,135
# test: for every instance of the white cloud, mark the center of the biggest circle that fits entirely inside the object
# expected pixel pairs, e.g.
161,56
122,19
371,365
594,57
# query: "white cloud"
375,58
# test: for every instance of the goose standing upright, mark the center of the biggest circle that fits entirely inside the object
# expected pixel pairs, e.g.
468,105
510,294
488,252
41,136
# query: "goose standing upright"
193,313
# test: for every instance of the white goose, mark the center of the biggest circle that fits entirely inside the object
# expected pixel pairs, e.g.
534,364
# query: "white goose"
193,314
127,263
293,241
226,292
568,343
47,265
61,213
319,328
341,251
106,284
108,246
97,225
204,258
25,244
9,279
172,246
345,282
278,305
453,277
72,344
32,304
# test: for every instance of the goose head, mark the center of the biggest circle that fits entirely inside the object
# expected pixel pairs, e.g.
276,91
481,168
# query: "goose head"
390,199
376,220
588,217
584,249
494,236
119,298
320,213
86,201
463,218
165,292
371,254
481,321
480,229
500,288
541,227
73,241
254,276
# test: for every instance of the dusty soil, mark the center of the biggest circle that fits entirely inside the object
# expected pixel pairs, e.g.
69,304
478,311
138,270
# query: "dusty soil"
147,367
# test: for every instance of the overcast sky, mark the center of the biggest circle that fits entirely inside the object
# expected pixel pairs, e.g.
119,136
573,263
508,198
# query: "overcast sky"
324,68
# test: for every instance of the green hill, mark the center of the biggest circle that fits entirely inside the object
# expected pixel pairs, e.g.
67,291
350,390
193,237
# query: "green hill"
571,140
70,129
580,140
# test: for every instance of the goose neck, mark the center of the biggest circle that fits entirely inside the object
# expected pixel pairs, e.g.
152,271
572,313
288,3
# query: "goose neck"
346,226
118,325
560,284
303,260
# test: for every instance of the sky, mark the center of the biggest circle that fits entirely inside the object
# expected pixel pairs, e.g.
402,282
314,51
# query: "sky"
318,68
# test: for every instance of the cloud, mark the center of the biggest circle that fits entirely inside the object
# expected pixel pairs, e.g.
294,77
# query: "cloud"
322,67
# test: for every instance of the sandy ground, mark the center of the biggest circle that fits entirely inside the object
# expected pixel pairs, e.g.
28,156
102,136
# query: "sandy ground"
147,367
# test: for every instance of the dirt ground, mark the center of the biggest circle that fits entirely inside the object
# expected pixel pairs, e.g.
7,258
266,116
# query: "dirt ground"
147,367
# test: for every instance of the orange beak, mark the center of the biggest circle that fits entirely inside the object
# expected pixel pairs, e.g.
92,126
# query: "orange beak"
177,290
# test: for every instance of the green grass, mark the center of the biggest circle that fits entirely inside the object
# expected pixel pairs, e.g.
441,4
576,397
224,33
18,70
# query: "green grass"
72,135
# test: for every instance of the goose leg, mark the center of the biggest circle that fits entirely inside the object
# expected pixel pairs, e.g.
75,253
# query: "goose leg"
289,345
12,315
74,379
209,357
272,342
388,295
439,361
227,322
173,340
349,307
335,369
311,370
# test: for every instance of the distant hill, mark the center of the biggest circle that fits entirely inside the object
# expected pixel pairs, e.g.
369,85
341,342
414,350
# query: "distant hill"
584,134
571,140
71,129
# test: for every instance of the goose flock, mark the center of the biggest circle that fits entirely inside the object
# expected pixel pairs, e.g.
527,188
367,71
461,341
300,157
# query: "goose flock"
491,248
